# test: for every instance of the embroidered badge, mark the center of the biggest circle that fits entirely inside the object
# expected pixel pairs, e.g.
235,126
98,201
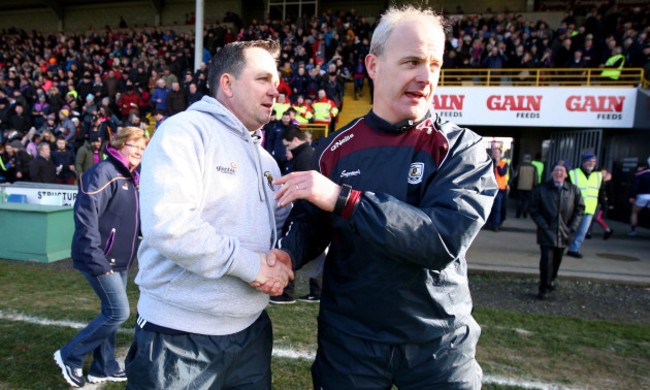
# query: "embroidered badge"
125,186
415,173
269,180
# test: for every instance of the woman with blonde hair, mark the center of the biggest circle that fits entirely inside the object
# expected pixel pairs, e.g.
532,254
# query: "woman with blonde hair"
104,244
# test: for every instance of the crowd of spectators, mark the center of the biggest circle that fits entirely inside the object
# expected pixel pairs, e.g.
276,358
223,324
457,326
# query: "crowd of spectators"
78,87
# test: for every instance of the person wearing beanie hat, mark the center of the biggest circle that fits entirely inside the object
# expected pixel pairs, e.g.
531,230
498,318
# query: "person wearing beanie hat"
556,207
89,154
590,182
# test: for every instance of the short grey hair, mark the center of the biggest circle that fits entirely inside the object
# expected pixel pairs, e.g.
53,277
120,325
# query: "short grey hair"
231,59
396,15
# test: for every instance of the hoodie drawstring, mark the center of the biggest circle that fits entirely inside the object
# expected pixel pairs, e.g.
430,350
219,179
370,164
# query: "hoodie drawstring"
264,197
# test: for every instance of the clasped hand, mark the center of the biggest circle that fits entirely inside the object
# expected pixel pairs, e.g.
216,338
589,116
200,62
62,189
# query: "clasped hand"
275,272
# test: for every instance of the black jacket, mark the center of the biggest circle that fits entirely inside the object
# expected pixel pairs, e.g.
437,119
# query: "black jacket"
42,170
302,156
396,269
557,212
106,218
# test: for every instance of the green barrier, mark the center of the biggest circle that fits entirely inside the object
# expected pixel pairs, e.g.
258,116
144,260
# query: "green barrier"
34,232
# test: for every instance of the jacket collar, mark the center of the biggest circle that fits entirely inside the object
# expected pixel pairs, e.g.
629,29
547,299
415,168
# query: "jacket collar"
400,127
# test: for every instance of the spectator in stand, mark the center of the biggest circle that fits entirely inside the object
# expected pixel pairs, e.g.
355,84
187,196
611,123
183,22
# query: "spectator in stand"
89,154
176,100
281,105
40,111
63,159
130,101
639,195
41,168
159,96
325,109
66,128
16,162
19,120
194,95
556,207
304,111
299,81
358,75
104,245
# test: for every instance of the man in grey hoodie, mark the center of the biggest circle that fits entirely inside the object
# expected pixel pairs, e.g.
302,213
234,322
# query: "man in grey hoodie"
208,219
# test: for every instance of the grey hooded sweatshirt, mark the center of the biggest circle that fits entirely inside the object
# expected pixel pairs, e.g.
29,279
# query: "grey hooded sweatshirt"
207,210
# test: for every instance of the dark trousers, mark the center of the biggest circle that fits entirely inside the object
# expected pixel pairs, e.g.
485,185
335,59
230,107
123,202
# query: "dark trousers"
447,362
549,264
240,361
523,200
496,215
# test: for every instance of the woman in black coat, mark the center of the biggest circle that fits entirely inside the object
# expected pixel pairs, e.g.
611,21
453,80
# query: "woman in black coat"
557,208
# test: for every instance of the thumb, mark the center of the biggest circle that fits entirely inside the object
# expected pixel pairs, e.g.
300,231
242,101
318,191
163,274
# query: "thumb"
270,259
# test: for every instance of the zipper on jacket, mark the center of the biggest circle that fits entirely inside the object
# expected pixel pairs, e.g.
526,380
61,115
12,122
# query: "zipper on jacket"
135,231
109,242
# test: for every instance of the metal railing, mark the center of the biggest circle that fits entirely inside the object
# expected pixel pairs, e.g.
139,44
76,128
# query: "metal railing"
543,77
317,130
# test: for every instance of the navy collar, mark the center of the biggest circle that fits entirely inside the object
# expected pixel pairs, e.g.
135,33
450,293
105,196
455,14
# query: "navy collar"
401,127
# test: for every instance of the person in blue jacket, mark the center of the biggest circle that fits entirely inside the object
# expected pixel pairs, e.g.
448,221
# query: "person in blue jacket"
399,195
104,245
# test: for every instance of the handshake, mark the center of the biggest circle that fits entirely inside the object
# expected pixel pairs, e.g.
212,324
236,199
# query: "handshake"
275,271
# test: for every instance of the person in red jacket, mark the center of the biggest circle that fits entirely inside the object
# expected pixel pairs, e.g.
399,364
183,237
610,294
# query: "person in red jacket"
129,101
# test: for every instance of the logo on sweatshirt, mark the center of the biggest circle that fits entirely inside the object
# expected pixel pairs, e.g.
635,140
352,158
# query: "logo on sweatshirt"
416,171
125,186
269,180
345,173
228,170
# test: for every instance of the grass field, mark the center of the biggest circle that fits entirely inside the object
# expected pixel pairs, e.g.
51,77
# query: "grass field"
532,351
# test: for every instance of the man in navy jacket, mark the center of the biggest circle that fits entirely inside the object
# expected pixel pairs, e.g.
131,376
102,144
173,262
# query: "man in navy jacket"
399,195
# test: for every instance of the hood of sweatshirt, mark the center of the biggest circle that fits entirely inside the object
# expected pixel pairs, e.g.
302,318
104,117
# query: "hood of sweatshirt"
213,107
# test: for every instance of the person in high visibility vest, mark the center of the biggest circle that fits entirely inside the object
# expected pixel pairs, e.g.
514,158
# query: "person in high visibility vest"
614,64
537,163
324,109
589,181
500,173
304,112
281,105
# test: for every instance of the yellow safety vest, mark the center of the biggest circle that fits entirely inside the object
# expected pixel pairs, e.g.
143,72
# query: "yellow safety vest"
588,187
303,114
540,168
613,74
280,108
324,110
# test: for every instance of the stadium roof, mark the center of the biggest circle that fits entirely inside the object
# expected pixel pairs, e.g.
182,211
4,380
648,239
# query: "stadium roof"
58,5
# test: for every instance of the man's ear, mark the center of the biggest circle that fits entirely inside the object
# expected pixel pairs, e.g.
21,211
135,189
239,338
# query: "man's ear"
225,84
372,62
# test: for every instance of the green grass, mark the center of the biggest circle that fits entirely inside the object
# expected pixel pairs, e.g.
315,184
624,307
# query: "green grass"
565,351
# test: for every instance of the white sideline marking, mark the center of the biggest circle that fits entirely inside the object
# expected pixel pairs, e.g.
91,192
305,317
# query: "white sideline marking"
277,352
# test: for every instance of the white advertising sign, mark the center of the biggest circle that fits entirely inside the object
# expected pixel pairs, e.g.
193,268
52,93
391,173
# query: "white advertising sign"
46,196
537,107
